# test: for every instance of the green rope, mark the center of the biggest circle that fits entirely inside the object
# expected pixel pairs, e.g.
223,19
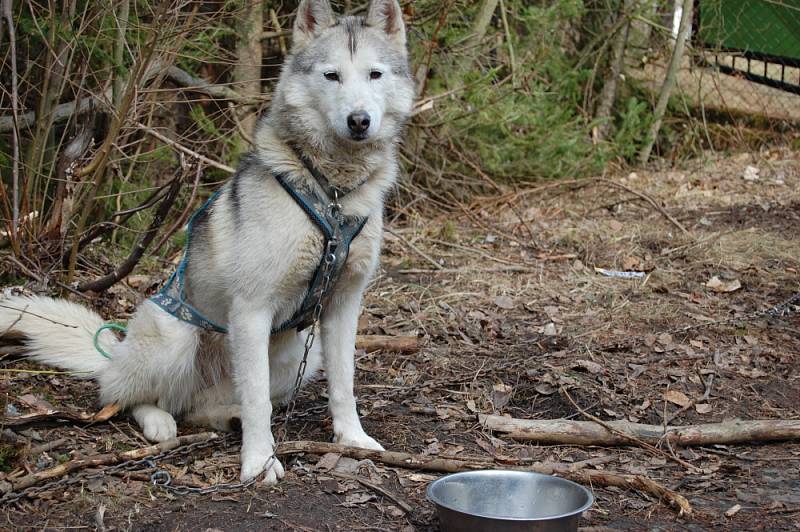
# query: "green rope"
116,327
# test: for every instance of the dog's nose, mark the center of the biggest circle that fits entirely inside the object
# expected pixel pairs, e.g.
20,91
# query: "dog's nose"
358,122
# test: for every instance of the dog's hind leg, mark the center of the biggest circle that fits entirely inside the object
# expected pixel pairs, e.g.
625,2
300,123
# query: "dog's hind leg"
215,407
153,371
157,425
285,355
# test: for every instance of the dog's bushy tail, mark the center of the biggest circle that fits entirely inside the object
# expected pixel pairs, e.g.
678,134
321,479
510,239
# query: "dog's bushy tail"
58,333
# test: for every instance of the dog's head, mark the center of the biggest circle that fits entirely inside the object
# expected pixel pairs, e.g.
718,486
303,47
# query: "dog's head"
348,77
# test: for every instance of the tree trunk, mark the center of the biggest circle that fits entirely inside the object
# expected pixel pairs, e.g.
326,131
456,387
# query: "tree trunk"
608,96
247,71
669,81
119,51
478,32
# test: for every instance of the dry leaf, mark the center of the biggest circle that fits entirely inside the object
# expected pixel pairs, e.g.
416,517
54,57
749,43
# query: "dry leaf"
505,302
421,477
733,510
501,395
631,264
37,403
718,285
664,339
677,398
328,461
352,500
588,365
750,173
702,408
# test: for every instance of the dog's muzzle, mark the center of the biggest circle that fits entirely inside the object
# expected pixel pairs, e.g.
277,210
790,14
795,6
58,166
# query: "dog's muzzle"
358,124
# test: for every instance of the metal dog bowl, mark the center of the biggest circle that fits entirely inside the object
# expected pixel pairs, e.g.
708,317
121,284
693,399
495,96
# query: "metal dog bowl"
508,501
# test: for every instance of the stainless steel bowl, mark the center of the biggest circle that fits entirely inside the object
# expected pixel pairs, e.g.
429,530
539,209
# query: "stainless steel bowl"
508,501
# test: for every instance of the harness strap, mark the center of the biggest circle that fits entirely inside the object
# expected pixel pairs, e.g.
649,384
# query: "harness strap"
172,296
338,233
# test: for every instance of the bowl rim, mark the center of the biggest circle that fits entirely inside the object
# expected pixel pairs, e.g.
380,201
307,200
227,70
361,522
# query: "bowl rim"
484,472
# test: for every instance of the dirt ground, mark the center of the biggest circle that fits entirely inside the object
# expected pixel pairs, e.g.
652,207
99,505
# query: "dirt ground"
513,316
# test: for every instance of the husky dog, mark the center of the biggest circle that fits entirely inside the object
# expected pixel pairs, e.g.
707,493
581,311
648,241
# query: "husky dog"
339,107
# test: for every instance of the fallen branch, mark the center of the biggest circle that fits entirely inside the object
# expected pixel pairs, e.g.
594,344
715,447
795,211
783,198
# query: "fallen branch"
470,463
106,281
631,439
107,459
393,344
180,77
47,416
375,487
648,199
563,431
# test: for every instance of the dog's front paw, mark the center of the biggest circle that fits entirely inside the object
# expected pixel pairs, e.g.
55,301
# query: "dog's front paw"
254,465
360,440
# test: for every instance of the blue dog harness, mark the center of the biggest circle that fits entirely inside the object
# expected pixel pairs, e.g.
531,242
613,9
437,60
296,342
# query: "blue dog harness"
323,210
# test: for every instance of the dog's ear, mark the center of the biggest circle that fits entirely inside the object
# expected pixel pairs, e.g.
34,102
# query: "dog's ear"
387,16
313,16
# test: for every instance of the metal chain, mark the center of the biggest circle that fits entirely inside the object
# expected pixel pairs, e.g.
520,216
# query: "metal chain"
162,478
129,465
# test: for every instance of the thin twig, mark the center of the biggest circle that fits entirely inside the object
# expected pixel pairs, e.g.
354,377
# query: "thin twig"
9,16
25,311
371,485
632,439
184,149
648,199
98,285
414,248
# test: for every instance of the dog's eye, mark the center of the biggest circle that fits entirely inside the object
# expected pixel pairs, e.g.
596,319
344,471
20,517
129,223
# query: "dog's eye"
332,76
375,74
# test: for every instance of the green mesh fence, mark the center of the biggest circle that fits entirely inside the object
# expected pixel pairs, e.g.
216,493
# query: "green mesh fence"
762,27
758,40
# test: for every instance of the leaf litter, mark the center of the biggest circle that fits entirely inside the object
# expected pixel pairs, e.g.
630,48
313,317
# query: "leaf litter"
510,346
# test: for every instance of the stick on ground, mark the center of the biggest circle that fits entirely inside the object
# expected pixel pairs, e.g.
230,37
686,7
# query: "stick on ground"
470,463
562,431
107,459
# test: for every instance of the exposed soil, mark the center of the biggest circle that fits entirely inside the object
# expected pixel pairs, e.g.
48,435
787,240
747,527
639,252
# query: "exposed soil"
516,313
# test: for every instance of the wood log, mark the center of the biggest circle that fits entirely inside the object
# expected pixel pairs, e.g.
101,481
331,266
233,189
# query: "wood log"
470,463
562,431
394,344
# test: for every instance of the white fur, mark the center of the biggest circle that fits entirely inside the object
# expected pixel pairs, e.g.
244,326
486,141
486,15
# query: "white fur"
251,261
